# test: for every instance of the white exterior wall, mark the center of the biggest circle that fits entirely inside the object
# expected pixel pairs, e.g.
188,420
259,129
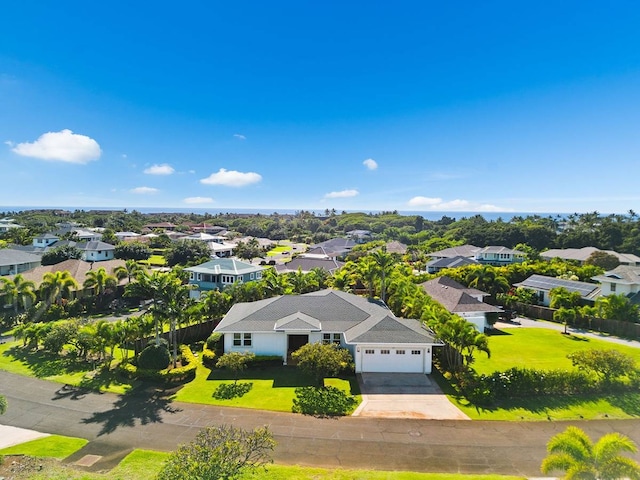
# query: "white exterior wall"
478,319
93,256
261,344
621,288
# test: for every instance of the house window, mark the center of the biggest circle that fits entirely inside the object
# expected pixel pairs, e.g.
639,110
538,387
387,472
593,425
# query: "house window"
416,352
613,287
227,278
258,275
399,352
328,338
251,276
384,352
241,339
369,352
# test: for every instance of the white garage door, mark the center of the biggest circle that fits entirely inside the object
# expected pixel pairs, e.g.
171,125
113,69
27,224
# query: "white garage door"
392,360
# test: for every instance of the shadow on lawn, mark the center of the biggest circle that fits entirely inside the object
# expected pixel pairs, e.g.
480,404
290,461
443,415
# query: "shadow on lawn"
139,406
44,364
282,377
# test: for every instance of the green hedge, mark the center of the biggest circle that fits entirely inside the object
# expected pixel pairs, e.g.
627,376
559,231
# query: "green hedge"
263,361
174,375
208,357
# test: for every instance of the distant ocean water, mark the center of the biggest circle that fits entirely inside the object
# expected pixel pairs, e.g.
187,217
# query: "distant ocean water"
428,215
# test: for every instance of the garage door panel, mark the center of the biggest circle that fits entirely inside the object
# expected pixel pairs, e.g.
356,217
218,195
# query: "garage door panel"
392,360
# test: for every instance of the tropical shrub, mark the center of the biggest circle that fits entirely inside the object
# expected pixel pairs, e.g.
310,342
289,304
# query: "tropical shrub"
154,357
323,401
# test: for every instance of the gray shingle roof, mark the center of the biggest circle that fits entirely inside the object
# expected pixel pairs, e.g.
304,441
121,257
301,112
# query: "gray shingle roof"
542,282
462,250
9,256
306,264
327,310
452,262
626,274
456,298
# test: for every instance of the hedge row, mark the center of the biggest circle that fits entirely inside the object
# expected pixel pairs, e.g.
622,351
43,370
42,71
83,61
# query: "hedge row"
174,375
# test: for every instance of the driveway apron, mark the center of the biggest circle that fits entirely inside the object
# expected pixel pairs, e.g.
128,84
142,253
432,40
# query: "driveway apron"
404,395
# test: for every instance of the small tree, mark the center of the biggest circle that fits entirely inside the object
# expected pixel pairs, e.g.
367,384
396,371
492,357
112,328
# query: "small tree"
187,252
236,362
564,316
132,251
60,254
222,452
322,360
573,452
606,364
604,260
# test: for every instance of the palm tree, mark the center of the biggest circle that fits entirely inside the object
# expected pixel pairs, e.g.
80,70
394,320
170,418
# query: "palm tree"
488,279
367,272
274,284
384,261
573,452
57,286
18,291
129,270
100,282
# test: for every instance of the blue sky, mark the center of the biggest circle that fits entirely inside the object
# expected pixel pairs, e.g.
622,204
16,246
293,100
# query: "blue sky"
444,106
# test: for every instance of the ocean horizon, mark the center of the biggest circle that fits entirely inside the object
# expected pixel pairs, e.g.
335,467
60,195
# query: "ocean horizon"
427,215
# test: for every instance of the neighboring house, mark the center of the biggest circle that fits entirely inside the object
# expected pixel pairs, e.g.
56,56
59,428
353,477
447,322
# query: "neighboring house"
623,279
434,266
87,235
378,341
216,243
465,302
160,226
498,256
220,272
212,229
314,258
467,251
396,247
77,269
542,285
580,255
44,241
360,236
336,247
7,224
126,236
13,261
96,251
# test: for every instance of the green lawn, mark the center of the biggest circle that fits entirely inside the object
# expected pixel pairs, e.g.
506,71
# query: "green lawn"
154,261
539,348
272,388
546,350
54,446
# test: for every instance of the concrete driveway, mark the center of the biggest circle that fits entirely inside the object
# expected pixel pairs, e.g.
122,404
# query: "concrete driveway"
404,395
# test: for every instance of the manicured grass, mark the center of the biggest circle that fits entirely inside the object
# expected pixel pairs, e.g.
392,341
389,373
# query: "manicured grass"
139,464
273,388
154,260
40,364
53,446
539,348
545,350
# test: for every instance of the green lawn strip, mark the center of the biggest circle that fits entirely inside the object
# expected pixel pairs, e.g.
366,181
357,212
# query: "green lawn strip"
139,464
545,350
273,388
539,348
47,366
286,472
53,446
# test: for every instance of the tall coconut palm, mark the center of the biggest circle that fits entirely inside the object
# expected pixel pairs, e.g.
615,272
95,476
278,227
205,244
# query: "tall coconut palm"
57,286
573,452
100,282
17,291
367,273
384,261
129,270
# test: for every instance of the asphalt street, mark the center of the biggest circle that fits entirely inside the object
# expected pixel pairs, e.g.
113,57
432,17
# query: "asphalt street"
147,419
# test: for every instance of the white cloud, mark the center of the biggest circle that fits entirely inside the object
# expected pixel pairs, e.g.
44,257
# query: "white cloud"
164,169
239,136
10,143
456,205
371,164
342,194
197,200
144,190
64,146
232,178
192,171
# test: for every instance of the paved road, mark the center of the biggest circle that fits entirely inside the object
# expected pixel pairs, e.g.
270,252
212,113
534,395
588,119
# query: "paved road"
147,419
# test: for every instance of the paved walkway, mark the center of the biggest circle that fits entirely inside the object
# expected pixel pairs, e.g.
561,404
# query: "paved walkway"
148,419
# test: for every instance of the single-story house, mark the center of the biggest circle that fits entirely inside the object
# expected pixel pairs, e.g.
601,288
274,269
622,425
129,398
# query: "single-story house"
314,258
434,266
216,243
542,285
378,341
77,269
468,251
622,280
13,261
220,272
336,247
460,300
580,255
7,224
498,256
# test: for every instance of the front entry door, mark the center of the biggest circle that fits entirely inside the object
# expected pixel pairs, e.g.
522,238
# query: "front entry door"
295,342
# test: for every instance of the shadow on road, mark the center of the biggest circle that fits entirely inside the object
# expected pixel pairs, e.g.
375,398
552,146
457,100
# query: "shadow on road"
139,406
